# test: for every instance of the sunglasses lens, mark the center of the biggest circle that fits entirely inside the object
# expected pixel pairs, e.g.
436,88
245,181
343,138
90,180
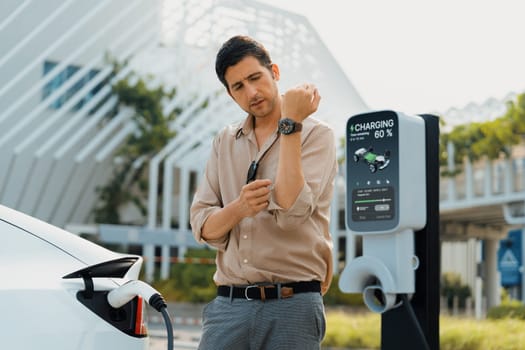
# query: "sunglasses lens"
252,172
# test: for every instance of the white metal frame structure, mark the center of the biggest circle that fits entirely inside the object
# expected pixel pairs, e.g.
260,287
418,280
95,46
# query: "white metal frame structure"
54,156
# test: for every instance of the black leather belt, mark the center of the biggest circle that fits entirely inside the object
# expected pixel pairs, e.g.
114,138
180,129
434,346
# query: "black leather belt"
269,291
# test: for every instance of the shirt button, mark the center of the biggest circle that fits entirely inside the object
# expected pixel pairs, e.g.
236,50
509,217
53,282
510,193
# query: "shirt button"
245,236
245,261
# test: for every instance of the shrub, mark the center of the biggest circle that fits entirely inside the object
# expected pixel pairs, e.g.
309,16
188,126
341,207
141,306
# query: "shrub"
354,331
507,309
363,331
451,286
190,282
470,334
334,296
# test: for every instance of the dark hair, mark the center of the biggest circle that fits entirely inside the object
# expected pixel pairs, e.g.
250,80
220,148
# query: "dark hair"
234,50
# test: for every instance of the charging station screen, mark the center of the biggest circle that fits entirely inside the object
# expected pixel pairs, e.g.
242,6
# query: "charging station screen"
372,171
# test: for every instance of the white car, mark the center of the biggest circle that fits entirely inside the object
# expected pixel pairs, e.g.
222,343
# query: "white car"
54,287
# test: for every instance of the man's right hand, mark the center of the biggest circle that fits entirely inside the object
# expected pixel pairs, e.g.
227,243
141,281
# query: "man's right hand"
254,197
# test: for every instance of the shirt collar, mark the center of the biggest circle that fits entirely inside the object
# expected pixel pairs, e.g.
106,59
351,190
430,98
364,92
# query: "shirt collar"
245,127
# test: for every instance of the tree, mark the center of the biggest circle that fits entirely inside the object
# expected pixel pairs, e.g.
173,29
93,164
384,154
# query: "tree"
491,139
129,183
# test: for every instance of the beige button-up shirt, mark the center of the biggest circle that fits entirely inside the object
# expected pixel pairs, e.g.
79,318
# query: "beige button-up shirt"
276,245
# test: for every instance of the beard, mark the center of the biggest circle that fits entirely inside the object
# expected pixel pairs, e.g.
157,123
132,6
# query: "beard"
263,108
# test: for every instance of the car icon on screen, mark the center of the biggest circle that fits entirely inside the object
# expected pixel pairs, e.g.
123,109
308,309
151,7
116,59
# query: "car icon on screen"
374,161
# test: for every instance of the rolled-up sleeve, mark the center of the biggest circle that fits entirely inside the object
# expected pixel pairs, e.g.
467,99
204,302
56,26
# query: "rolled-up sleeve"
198,220
318,162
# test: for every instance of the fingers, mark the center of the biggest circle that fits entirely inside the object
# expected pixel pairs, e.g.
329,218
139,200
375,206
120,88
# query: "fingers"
256,196
316,98
300,101
258,183
313,93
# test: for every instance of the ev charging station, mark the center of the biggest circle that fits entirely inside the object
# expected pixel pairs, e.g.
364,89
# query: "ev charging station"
392,202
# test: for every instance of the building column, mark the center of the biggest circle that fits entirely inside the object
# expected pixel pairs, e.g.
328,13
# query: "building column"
334,229
350,247
478,282
492,278
148,250
522,267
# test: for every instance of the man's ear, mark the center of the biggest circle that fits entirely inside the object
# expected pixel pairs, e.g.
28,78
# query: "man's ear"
275,72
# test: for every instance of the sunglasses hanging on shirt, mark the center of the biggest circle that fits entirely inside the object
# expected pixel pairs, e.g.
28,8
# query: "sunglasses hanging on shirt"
252,172
252,169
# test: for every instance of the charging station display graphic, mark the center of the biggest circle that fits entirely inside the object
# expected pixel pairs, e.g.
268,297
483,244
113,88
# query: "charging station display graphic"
373,160
372,204
373,167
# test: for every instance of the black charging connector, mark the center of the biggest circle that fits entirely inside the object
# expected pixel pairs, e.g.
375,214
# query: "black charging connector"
158,303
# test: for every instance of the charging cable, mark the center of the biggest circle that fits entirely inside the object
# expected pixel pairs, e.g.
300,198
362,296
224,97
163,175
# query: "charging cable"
123,294
406,302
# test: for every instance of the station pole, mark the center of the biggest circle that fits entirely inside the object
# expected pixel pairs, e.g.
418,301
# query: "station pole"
399,330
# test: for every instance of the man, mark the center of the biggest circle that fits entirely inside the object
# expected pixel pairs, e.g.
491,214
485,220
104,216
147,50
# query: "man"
264,204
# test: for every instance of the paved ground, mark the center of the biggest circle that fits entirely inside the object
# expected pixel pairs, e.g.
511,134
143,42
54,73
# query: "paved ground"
162,344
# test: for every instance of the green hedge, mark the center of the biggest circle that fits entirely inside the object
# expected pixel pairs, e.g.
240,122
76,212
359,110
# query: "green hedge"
469,334
334,296
508,309
451,286
362,330
190,282
359,330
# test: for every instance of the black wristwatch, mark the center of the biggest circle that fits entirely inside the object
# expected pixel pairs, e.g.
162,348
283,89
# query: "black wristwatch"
288,126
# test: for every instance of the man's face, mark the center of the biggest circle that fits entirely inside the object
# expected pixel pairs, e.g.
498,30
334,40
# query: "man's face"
253,86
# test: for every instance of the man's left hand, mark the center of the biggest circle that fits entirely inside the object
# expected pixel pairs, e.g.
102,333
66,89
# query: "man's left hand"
300,102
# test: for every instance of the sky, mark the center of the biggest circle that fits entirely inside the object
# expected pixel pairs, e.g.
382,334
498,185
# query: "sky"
422,56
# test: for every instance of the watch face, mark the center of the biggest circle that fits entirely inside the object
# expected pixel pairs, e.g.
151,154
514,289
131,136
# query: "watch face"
286,126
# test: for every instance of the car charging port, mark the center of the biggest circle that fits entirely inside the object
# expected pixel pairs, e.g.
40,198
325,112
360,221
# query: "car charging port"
128,318
122,307
132,289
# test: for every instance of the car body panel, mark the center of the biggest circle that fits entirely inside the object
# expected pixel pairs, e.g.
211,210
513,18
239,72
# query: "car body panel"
81,249
70,325
39,307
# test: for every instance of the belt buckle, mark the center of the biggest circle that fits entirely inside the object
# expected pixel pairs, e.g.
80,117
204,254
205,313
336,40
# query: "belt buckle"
246,291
